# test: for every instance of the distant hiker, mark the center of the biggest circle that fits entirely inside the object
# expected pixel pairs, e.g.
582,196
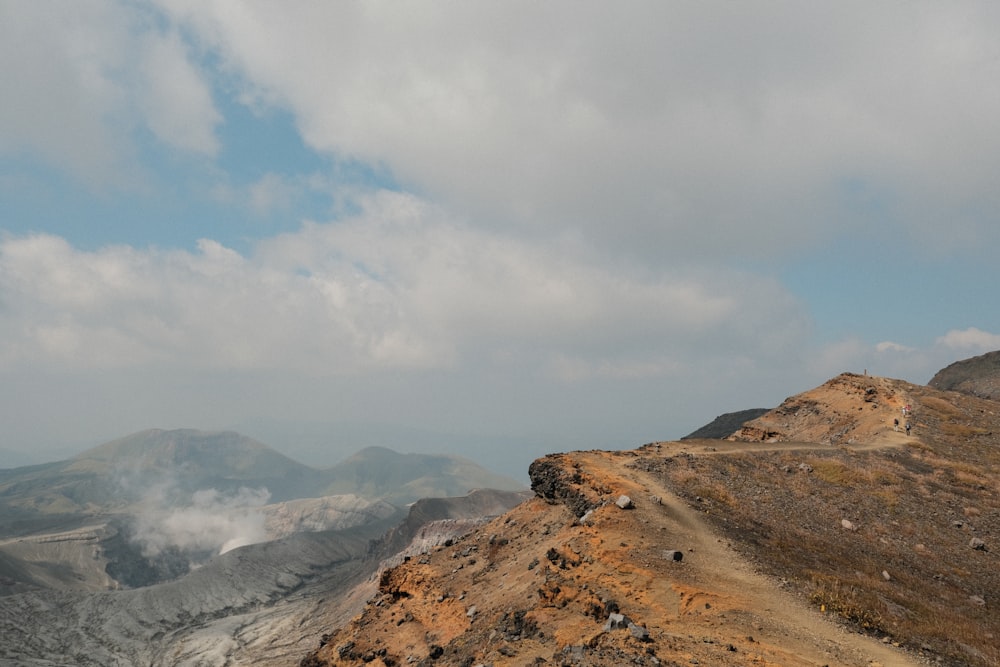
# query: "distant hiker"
907,428
895,425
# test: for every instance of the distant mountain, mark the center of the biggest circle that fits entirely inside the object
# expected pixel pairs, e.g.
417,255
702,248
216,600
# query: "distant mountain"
978,376
115,476
377,472
192,460
726,424
175,464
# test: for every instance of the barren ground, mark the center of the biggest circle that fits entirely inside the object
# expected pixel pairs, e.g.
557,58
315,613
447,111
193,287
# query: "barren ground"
817,536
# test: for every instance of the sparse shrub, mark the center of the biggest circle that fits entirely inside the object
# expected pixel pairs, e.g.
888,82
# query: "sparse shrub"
715,492
835,472
855,605
889,497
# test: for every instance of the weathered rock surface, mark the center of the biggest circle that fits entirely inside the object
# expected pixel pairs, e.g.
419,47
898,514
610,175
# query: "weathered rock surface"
978,376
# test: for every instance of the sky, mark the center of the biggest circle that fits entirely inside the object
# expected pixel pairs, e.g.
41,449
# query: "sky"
499,229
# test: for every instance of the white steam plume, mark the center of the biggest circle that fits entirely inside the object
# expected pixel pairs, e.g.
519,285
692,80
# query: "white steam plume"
213,521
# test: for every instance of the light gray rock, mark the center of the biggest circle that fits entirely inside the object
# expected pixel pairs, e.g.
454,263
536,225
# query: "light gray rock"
639,632
616,622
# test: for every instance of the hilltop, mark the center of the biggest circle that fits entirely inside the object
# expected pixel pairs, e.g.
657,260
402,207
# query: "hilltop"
814,535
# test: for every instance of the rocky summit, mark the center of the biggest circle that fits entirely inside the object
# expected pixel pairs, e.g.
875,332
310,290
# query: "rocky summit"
820,533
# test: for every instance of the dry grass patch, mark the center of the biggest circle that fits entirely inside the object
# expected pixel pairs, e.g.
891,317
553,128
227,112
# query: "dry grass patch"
854,604
943,408
836,472
956,430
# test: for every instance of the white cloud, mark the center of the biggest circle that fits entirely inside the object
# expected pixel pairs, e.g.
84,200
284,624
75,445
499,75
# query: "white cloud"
84,76
662,130
400,285
55,61
889,346
174,97
971,340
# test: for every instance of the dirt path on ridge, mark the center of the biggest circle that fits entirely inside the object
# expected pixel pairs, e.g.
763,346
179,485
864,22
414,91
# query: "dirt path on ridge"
755,603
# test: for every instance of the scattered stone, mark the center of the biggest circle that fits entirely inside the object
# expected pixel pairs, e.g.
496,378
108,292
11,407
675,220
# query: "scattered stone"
436,652
472,612
805,467
639,632
624,502
674,555
616,622
977,600
345,650
977,544
847,525
885,575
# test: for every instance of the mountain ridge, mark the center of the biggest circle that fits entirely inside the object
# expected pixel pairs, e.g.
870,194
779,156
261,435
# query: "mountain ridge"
818,533
115,475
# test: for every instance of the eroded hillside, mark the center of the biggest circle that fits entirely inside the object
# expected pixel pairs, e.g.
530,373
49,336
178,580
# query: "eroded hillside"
825,538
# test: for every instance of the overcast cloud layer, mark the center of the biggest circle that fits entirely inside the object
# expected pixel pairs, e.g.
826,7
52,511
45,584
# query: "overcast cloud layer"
561,220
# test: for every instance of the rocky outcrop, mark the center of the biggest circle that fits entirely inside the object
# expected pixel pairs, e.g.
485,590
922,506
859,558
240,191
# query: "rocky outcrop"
557,479
978,376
